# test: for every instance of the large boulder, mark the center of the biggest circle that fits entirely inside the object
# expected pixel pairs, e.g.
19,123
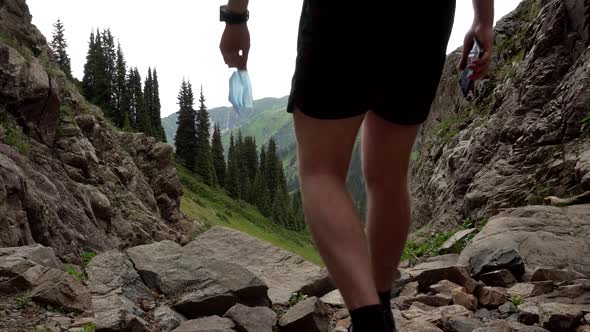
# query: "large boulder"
285,273
310,315
21,267
204,286
207,324
538,234
252,319
59,289
117,293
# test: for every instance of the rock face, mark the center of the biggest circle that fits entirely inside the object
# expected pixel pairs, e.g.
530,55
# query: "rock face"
71,182
310,315
538,234
519,138
284,273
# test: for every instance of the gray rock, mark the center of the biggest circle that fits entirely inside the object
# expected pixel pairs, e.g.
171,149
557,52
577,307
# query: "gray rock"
499,278
252,319
544,230
207,324
526,290
507,308
528,313
435,316
455,273
117,293
210,286
117,313
444,287
416,326
334,298
433,263
497,259
59,289
167,319
464,299
493,297
462,324
113,271
436,300
495,326
283,272
519,327
308,315
561,317
409,289
544,274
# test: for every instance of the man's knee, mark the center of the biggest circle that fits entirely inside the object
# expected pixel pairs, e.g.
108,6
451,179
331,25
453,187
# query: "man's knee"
383,180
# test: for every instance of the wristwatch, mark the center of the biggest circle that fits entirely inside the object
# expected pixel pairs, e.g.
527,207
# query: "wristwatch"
229,17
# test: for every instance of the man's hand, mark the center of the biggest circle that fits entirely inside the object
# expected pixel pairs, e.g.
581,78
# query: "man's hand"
235,45
484,34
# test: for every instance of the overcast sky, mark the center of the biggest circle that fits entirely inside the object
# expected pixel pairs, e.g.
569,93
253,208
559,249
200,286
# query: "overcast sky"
181,39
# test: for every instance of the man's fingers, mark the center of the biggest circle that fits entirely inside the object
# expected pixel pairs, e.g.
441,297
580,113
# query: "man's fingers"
467,46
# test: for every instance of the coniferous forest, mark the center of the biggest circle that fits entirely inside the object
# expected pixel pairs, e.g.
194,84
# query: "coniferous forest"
248,174
126,100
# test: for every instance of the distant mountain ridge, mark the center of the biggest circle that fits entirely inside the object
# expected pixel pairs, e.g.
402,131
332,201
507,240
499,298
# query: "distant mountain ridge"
227,117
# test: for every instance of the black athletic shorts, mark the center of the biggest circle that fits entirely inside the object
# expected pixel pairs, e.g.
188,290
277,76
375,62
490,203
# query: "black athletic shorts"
385,56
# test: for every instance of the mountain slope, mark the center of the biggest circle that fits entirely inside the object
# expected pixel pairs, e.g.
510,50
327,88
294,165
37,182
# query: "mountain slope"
68,179
226,117
213,208
520,138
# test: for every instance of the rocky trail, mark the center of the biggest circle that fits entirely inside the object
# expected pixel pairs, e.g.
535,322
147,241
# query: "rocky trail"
515,275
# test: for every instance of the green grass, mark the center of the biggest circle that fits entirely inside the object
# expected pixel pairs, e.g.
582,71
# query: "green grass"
516,300
18,140
87,257
214,208
76,274
89,327
414,250
11,41
23,302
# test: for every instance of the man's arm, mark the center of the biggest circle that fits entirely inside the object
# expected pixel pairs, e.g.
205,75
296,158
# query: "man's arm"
237,6
481,30
235,41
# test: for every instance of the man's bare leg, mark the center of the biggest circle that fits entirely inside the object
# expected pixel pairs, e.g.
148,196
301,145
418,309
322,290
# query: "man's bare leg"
386,153
324,152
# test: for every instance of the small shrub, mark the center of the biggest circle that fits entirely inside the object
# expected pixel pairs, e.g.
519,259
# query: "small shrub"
89,327
11,41
76,274
15,138
87,257
516,300
296,298
586,124
23,302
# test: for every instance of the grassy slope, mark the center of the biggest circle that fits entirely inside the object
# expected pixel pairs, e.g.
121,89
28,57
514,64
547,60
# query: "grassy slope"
214,208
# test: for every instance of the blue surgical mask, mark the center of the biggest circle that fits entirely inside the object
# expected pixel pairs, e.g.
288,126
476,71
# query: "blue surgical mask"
240,91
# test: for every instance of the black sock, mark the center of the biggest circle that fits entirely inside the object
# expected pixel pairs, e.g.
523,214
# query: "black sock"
385,298
368,319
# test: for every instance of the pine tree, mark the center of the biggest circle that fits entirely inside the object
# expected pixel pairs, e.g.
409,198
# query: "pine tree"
109,104
298,215
59,46
148,91
185,139
232,180
204,165
217,154
156,110
89,79
121,112
97,80
139,116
